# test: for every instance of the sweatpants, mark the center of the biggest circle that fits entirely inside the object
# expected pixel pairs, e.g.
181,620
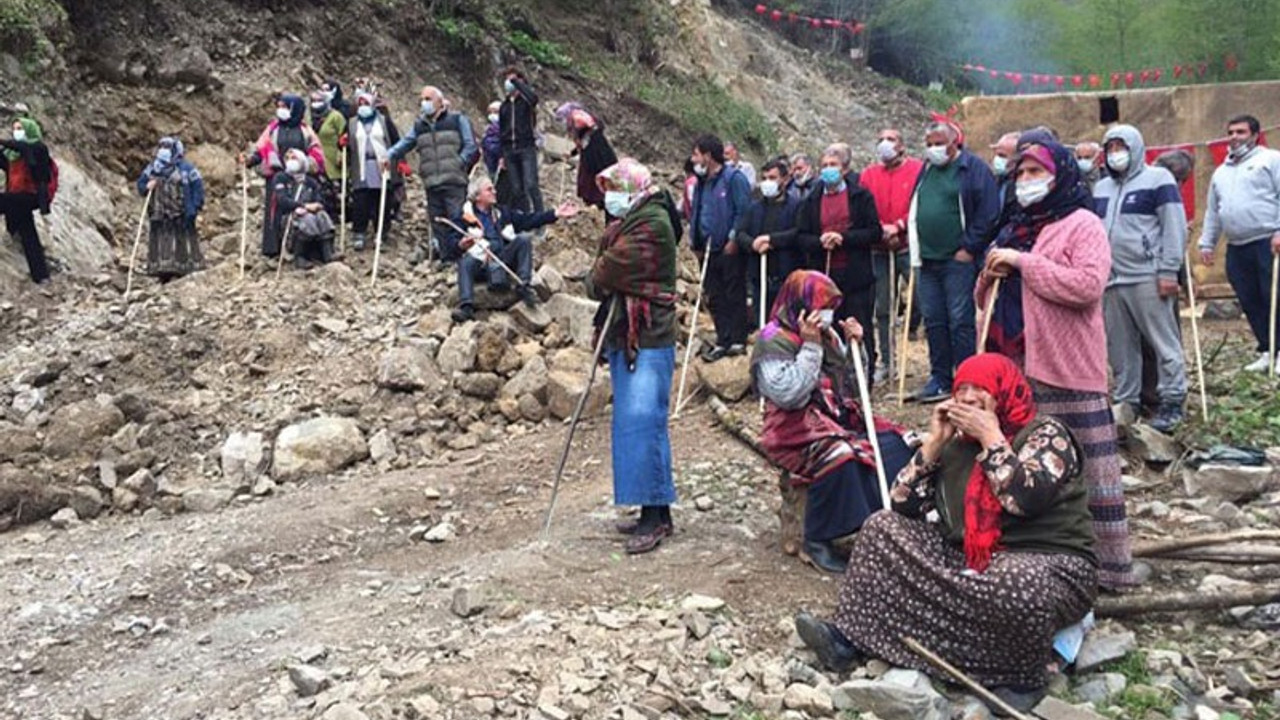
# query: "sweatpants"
1249,271
1133,314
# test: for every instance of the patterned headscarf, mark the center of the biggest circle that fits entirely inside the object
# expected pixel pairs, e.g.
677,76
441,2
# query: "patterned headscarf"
306,162
161,168
803,292
1015,408
627,175
575,118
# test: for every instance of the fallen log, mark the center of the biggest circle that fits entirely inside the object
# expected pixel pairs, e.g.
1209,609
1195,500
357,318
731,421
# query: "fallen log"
1164,547
1130,605
1228,555
730,421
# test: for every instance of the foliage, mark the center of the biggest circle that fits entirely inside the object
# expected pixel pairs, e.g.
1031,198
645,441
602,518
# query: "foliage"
703,106
27,27
460,31
1244,407
1139,697
545,52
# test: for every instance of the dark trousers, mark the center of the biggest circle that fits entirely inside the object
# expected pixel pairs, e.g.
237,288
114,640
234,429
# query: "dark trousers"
522,165
444,201
727,294
1249,271
517,254
364,210
19,210
859,303
946,302
840,501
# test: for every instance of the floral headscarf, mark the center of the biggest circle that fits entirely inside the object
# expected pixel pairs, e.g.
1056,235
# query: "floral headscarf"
627,175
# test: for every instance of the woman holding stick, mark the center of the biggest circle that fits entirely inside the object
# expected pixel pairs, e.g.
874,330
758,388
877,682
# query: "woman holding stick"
636,269
1054,260
813,426
177,189
988,549
28,169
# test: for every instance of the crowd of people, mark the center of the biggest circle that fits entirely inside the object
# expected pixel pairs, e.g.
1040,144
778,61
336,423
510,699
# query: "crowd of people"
994,531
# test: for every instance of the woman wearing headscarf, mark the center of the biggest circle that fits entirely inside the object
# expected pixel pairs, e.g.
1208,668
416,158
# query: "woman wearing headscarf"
1054,260
333,94
28,172
177,197
284,133
635,272
592,148
300,200
369,135
988,549
814,427
328,124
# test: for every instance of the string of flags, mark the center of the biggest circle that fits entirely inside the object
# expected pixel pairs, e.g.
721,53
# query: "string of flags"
850,26
1148,77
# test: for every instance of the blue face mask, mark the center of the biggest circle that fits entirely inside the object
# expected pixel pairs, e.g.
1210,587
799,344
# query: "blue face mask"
428,108
509,86
365,112
617,203
831,175
164,156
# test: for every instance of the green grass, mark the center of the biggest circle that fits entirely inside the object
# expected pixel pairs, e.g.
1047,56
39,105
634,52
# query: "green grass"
1244,408
701,106
544,52
1139,697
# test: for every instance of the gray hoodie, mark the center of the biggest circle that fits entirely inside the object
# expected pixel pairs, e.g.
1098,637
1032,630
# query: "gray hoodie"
1142,211
1244,199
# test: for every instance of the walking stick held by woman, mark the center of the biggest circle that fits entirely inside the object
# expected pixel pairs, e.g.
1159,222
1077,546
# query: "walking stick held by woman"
868,417
577,413
244,215
288,228
382,220
342,207
693,330
988,311
137,240
1195,340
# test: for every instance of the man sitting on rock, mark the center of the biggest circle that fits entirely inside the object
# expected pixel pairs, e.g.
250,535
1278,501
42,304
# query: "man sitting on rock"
494,237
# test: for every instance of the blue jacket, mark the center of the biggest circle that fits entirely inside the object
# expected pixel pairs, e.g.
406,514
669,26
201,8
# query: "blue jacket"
718,202
492,223
979,201
193,193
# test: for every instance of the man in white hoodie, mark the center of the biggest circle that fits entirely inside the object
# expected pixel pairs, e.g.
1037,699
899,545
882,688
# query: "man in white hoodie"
1244,204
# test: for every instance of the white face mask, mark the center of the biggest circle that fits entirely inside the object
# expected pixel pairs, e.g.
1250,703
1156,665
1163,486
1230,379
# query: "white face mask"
1118,160
319,107
700,170
887,150
617,202
937,155
365,111
826,318
1085,165
769,188
283,114
293,167
19,135
1237,151
1031,192
509,86
1000,165
428,108
493,118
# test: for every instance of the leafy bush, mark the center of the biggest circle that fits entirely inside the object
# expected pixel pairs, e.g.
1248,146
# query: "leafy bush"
1244,407
545,52
26,27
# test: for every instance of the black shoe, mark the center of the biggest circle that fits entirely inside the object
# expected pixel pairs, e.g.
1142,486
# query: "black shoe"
735,350
715,354
834,650
823,556
1167,418
463,314
1023,700
528,296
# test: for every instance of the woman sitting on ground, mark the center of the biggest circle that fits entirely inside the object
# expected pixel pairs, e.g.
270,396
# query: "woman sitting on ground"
988,551
813,424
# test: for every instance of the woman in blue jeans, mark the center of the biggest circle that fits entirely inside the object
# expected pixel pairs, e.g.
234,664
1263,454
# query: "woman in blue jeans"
635,273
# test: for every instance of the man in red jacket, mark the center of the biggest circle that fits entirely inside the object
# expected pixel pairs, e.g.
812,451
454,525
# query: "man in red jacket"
891,181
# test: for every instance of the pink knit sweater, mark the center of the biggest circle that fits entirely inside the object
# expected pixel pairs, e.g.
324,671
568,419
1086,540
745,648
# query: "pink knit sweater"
1063,278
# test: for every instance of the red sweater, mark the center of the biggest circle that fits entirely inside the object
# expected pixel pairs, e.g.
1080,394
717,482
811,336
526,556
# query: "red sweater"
1063,278
892,189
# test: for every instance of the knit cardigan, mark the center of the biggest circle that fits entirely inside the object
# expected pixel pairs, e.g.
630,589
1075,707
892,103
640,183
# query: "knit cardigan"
1063,279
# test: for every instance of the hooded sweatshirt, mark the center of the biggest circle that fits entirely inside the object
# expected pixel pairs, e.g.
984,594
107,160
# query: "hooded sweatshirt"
1142,212
1244,199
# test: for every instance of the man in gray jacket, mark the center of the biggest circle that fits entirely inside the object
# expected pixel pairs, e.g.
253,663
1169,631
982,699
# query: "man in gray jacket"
1244,203
1142,211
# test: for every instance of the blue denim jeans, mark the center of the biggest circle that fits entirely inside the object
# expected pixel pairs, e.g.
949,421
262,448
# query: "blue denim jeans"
1249,272
517,254
640,443
946,302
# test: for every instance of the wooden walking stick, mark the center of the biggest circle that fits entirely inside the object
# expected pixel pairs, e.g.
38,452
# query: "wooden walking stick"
244,216
577,414
764,296
488,253
564,172
893,312
382,221
1275,280
137,240
693,329
1195,340
906,336
987,313
986,695
869,419
342,204
288,228
827,272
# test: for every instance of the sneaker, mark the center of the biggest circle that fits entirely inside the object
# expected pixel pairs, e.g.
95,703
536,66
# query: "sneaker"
1167,418
1261,365
933,392
463,314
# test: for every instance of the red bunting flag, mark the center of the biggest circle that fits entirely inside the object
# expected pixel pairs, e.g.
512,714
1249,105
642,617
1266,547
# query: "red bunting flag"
1145,75
1094,81
1128,79
760,9
1076,81
776,15
815,22
1177,71
1059,81
1115,79
1230,62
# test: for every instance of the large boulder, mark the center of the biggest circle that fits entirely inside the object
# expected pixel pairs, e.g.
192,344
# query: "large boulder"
564,388
573,263
897,695
75,429
458,352
531,380
243,458
575,315
1232,483
408,368
729,378
319,446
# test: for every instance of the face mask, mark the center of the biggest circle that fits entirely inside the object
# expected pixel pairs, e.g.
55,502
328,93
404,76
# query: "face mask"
164,156
509,86
428,108
769,188
293,167
1000,165
700,170
1085,165
803,179
887,150
937,155
19,135
826,318
493,118
283,114
319,107
1118,161
365,111
329,95
1237,152
831,175
1031,192
617,202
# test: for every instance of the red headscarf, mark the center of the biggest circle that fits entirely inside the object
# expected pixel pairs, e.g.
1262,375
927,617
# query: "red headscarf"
1015,407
